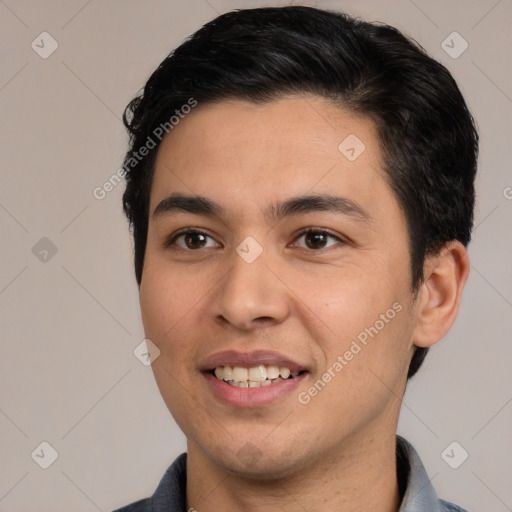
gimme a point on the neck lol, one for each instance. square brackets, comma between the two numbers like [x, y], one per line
[361, 475]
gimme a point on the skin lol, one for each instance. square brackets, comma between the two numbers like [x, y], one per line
[308, 302]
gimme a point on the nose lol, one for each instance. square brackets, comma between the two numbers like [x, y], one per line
[251, 295]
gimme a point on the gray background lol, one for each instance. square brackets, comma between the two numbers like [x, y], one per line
[70, 320]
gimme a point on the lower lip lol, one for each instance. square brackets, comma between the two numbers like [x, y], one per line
[252, 397]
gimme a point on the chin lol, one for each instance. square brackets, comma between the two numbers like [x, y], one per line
[256, 462]
[264, 470]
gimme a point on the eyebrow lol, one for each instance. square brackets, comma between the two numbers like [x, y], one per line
[199, 205]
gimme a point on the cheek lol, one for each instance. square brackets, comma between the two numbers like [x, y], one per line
[365, 322]
[166, 301]
[366, 365]
[348, 300]
[164, 304]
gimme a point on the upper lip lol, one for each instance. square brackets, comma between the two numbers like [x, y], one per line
[250, 360]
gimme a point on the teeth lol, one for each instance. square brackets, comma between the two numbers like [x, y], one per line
[257, 374]
[227, 374]
[240, 373]
[254, 377]
[272, 372]
[249, 384]
[284, 372]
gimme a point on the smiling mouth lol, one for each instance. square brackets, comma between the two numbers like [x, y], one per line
[255, 377]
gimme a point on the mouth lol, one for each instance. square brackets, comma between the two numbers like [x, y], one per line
[254, 377]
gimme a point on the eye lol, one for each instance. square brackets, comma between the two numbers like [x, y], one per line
[317, 239]
[190, 239]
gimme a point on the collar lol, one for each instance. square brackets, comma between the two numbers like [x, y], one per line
[416, 490]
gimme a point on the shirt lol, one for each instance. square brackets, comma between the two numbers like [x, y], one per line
[417, 492]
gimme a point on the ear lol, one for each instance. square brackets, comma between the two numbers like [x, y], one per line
[445, 275]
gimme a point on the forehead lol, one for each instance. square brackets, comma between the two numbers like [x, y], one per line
[245, 153]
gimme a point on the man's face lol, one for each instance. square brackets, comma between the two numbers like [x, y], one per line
[334, 305]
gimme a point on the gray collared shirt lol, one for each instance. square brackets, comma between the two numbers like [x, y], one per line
[417, 491]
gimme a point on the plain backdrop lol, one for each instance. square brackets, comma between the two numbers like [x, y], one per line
[69, 310]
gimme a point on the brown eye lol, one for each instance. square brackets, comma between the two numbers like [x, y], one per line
[194, 240]
[191, 240]
[317, 239]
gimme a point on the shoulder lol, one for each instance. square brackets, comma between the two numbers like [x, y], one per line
[446, 506]
[170, 495]
[138, 506]
[418, 495]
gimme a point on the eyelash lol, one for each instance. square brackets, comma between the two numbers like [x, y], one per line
[172, 239]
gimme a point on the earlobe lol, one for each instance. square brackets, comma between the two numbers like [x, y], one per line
[445, 275]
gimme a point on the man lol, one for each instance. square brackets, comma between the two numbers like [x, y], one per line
[300, 188]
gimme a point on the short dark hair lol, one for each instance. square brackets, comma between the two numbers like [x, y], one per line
[428, 137]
